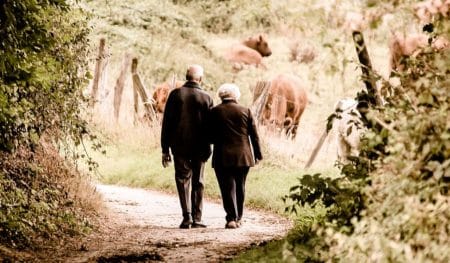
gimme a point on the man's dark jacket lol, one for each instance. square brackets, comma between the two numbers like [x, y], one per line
[234, 136]
[184, 123]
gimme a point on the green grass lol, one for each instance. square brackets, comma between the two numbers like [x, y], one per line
[130, 163]
[298, 246]
[270, 252]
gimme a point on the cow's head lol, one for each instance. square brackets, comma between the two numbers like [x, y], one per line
[161, 93]
[160, 97]
[259, 43]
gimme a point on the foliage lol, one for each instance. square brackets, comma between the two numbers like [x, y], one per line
[339, 195]
[403, 182]
[408, 212]
[35, 201]
[42, 59]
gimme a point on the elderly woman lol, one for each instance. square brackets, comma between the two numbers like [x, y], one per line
[236, 149]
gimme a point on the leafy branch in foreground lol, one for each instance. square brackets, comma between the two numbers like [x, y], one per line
[340, 196]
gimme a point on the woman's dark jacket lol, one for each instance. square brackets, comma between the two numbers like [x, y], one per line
[234, 136]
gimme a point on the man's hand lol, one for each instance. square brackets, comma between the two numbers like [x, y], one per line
[166, 159]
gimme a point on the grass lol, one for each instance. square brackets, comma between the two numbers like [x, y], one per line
[134, 159]
[270, 252]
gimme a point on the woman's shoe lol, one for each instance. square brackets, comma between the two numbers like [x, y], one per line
[186, 224]
[198, 225]
[231, 225]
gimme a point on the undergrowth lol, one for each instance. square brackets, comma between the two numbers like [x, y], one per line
[43, 199]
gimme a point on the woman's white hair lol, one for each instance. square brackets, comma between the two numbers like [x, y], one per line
[228, 91]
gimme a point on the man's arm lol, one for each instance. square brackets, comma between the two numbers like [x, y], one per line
[167, 124]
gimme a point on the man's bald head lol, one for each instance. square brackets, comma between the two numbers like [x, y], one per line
[194, 73]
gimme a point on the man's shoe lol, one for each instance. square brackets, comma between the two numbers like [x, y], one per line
[231, 225]
[186, 224]
[198, 225]
[239, 223]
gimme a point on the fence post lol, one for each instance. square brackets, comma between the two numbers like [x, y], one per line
[316, 149]
[120, 83]
[366, 68]
[140, 89]
[264, 86]
[99, 67]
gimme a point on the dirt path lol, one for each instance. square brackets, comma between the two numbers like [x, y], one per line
[142, 226]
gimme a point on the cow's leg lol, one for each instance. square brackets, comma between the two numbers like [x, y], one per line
[353, 140]
[348, 141]
[279, 114]
[296, 122]
[293, 130]
[287, 125]
[275, 121]
[342, 148]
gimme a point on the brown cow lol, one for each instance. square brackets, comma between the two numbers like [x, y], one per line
[426, 10]
[161, 93]
[249, 52]
[401, 46]
[284, 104]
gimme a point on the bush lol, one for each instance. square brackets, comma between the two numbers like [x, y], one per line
[43, 52]
[42, 198]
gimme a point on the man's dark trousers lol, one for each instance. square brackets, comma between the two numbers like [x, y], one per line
[189, 173]
[232, 187]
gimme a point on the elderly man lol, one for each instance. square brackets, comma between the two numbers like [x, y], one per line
[184, 133]
[236, 148]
